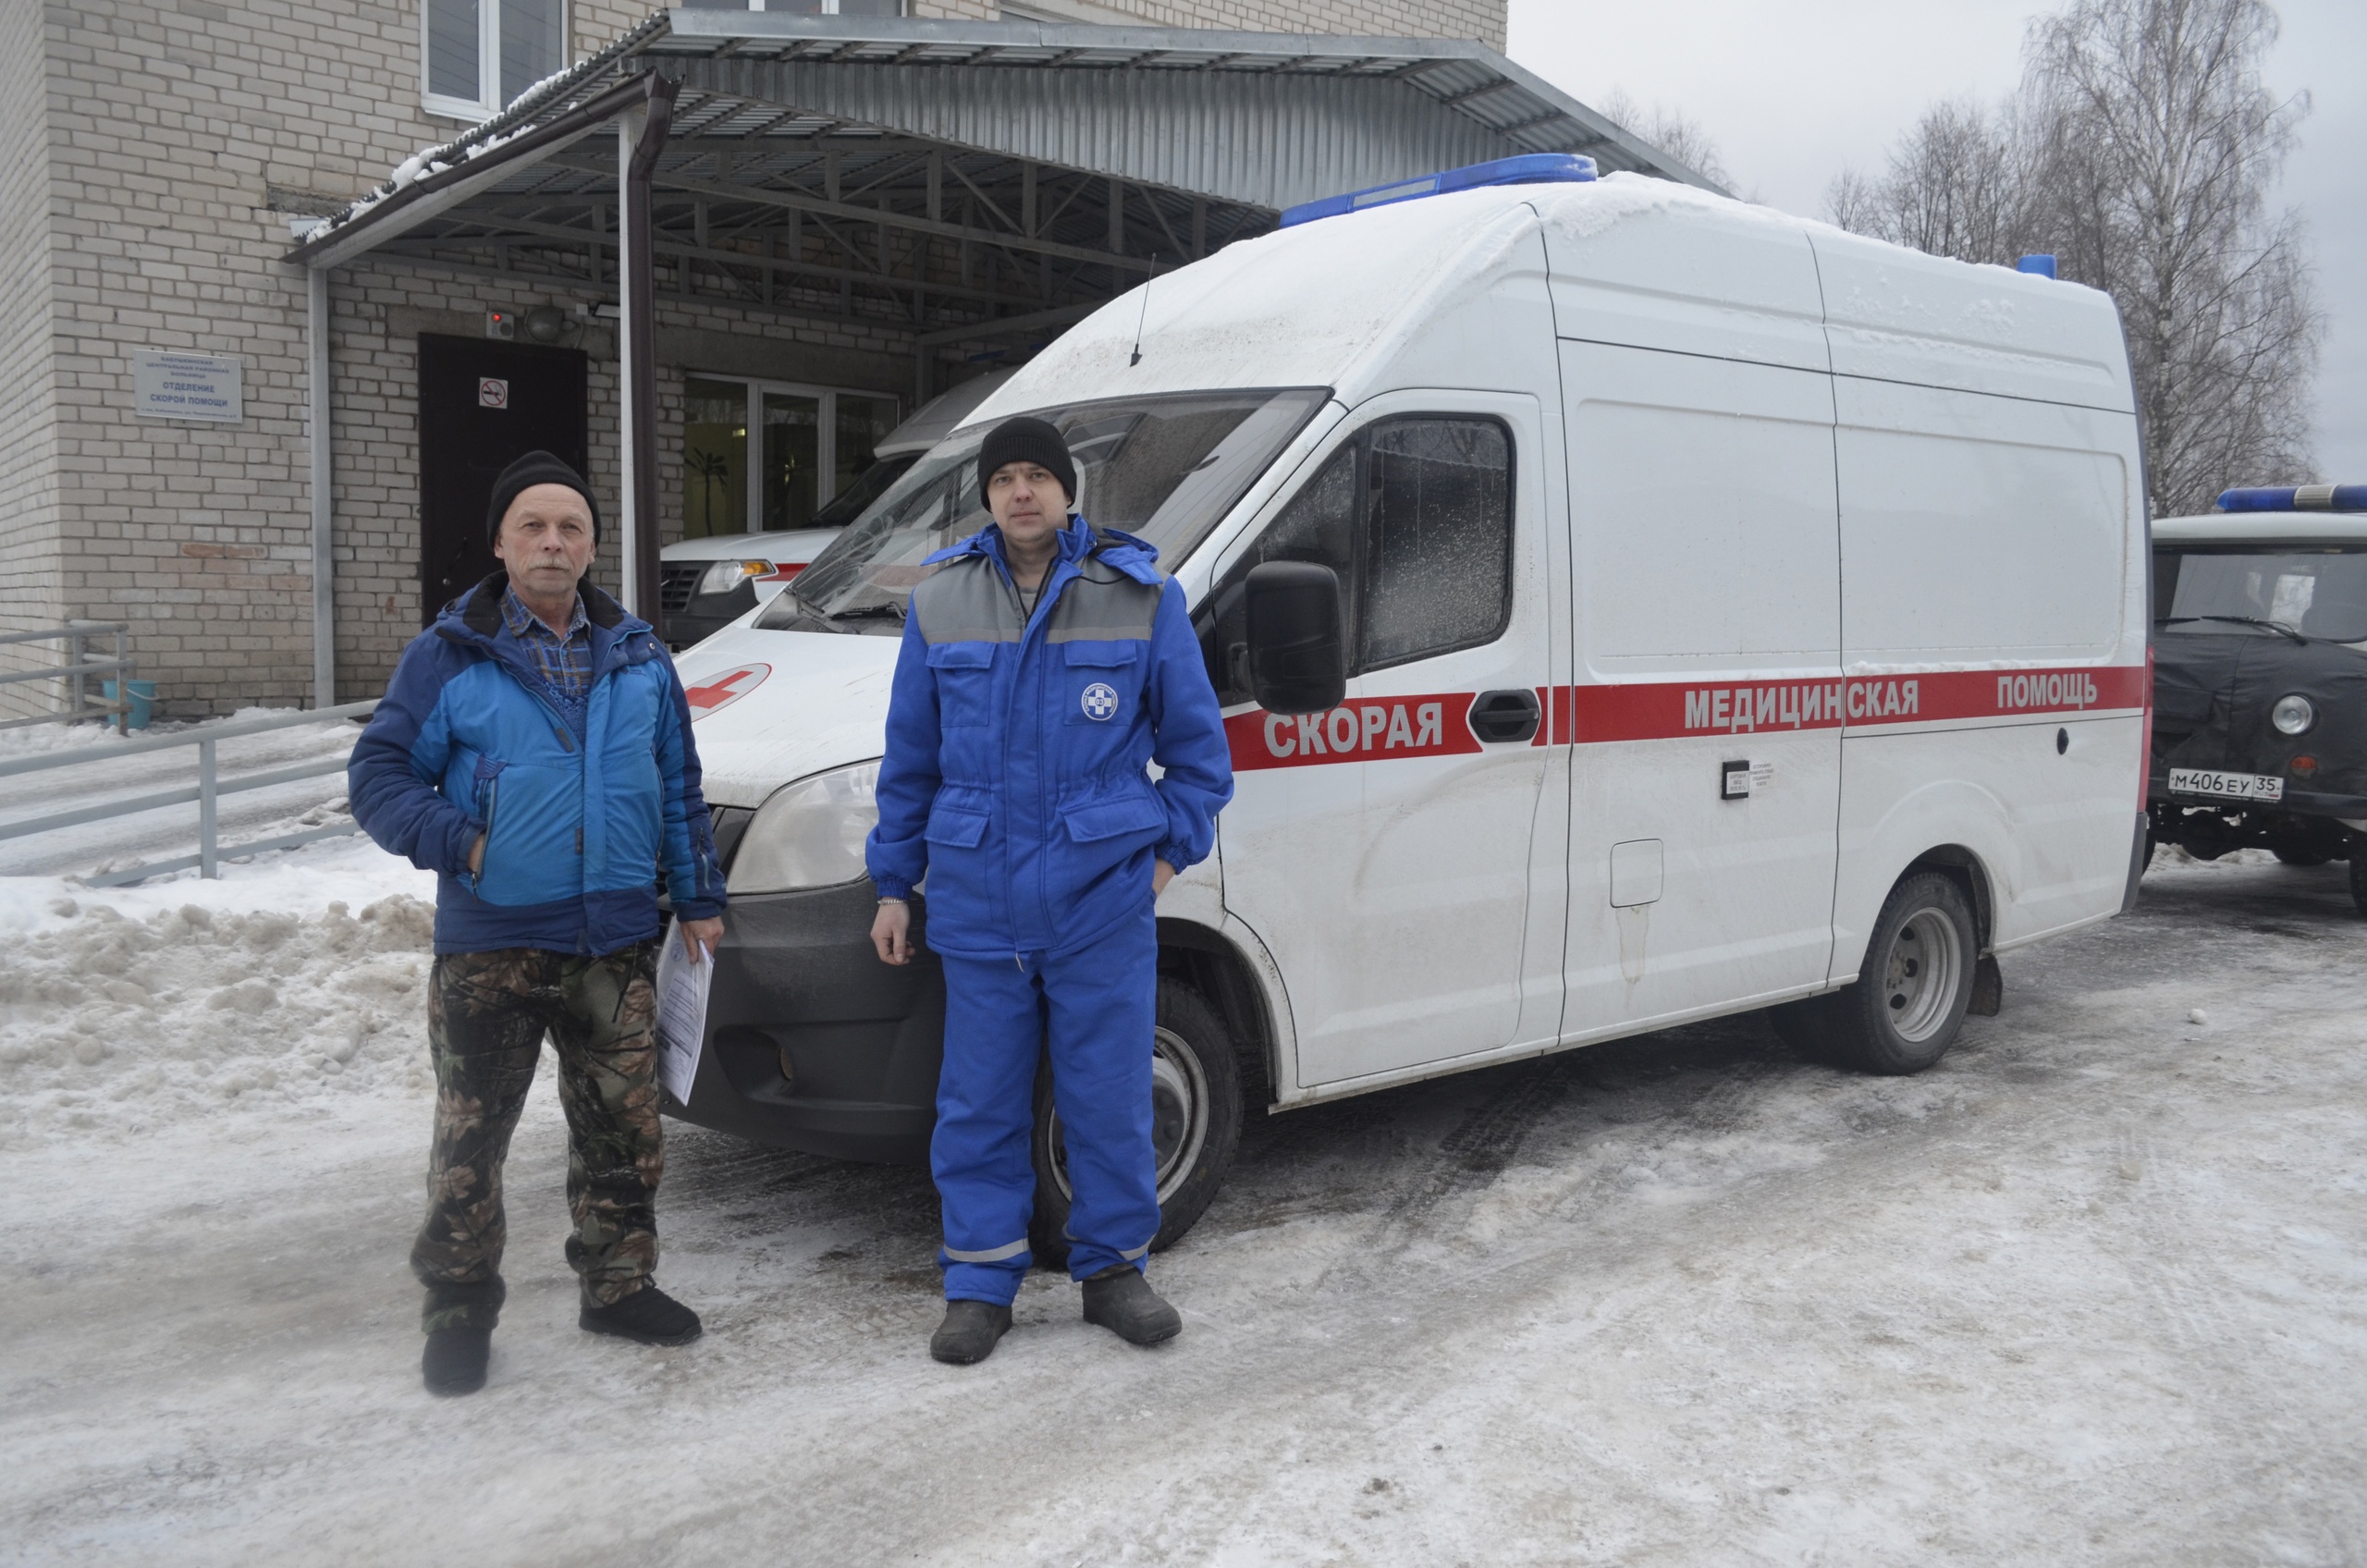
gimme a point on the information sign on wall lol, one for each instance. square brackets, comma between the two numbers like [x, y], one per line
[166, 384]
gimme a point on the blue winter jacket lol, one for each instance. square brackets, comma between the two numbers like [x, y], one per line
[579, 824]
[1015, 776]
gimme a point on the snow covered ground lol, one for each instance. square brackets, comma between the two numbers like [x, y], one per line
[2089, 1292]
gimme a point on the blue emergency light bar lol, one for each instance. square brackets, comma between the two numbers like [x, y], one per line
[1530, 168]
[2038, 264]
[2295, 498]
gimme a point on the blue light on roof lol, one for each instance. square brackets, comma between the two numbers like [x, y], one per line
[1530, 168]
[2295, 498]
[2040, 263]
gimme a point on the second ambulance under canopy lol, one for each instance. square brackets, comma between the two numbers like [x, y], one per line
[1734, 613]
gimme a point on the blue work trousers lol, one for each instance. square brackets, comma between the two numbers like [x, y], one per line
[1096, 1008]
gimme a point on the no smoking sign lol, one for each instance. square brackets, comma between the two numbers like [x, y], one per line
[492, 392]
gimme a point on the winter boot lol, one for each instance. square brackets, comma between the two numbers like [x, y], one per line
[968, 1334]
[1121, 1301]
[454, 1360]
[647, 1316]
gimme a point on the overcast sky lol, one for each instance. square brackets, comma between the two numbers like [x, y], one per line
[1792, 93]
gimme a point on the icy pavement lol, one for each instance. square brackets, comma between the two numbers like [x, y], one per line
[2089, 1292]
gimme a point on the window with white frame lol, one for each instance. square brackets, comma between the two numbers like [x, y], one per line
[475, 55]
[767, 455]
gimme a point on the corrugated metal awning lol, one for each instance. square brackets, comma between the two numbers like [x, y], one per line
[944, 180]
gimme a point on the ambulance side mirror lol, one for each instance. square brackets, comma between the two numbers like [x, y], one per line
[1296, 661]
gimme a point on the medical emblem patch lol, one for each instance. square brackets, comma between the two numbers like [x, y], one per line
[1100, 702]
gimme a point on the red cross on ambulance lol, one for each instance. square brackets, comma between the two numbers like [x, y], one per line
[715, 695]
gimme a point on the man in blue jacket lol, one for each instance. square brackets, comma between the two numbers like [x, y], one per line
[1045, 664]
[534, 752]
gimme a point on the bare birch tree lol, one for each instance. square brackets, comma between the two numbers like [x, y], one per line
[2161, 147]
[2141, 149]
[1674, 133]
[1956, 186]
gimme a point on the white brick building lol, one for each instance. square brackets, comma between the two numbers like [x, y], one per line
[153, 155]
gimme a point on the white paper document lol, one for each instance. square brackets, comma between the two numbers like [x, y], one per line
[681, 1014]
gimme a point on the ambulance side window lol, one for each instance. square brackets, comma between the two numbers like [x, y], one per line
[1415, 515]
[1318, 525]
[1438, 539]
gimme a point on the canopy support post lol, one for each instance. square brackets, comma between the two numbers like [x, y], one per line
[316, 346]
[641, 136]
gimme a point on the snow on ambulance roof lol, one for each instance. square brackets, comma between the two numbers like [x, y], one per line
[1323, 303]
[1296, 308]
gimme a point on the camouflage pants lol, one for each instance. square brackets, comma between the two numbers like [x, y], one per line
[487, 1016]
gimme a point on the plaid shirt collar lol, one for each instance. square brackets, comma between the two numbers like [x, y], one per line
[564, 661]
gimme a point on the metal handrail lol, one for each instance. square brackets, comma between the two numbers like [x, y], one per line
[77, 670]
[208, 789]
[194, 738]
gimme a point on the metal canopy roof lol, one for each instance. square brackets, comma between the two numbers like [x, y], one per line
[949, 180]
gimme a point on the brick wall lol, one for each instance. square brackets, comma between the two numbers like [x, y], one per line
[172, 131]
[30, 567]
[150, 154]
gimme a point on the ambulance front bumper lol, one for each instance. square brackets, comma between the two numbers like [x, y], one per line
[812, 1043]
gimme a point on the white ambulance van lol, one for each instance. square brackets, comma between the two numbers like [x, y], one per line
[1630, 607]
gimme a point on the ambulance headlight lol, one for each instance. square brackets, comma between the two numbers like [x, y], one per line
[2292, 714]
[725, 576]
[809, 834]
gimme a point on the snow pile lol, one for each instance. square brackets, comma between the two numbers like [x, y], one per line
[127, 1009]
[115, 1022]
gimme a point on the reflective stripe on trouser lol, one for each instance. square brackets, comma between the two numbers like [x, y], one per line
[1095, 1009]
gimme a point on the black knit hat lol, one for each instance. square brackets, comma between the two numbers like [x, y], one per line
[1027, 440]
[535, 468]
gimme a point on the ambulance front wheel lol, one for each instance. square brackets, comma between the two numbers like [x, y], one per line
[1904, 1010]
[1196, 1125]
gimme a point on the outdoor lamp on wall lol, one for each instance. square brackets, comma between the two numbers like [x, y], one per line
[545, 323]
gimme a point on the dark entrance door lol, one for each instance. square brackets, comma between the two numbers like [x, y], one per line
[482, 404]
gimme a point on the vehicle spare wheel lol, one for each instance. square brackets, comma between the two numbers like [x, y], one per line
[1194, 1125]
[1909, 1000]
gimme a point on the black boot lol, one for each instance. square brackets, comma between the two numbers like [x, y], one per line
[454, 1360]
[459, 1319]
[647, 1316]
[1121, 1301]
[968, 1334]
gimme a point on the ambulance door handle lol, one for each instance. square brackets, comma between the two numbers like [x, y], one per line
[1505, 715]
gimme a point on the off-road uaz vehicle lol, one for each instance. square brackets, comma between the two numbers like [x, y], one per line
[2259, 677]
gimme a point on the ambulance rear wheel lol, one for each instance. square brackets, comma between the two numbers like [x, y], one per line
[1903, 1012]
[1196, 1125]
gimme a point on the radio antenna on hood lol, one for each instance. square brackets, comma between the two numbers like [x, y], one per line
[1143, 313]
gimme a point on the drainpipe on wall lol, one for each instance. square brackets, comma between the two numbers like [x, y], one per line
[641, 136]
[316, 345]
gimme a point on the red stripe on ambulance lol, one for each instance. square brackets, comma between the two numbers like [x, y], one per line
[1438, 724]
[1656, 711]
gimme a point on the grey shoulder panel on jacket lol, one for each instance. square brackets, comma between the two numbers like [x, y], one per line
[1107, 605]
[964, 601]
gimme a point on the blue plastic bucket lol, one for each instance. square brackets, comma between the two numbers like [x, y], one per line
[144, 700]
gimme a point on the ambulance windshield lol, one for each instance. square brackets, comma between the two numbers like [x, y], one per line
[1166, 469]
[2313, 592]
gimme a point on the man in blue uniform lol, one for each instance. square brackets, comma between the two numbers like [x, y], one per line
[534, 751]
[1045, 665]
